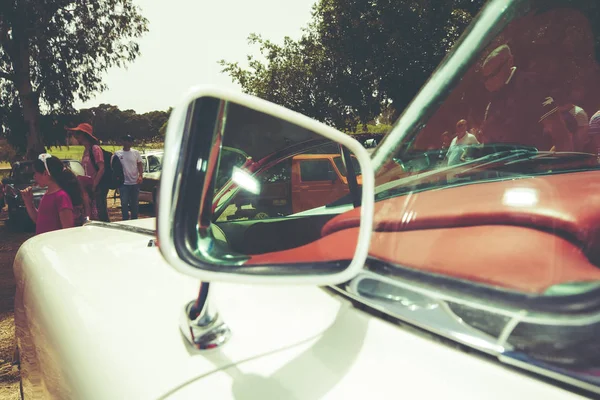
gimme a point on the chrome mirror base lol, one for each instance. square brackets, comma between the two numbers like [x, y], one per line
[202, 325]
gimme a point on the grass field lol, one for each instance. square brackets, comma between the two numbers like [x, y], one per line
[75, 152]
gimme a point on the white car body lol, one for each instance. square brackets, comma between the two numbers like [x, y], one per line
[98, 318]
[102, 313]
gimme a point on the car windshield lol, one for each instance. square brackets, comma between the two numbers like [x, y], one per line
[511, 137]
[487, 190]
[525, 106]
[155, 162]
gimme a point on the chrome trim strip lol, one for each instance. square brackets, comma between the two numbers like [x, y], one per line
[508, 360]
[480, 341]
[408, 308]
[121, 227]
[510, 327]
[537, 318]
[210, 169]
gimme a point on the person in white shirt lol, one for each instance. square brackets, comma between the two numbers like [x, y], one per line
[459, 144]
[131, 161]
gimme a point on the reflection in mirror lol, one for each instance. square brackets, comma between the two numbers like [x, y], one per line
[288, 181]
[274, 186]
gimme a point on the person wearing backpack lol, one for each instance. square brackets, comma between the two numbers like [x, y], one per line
[94, 165]
[132, 169]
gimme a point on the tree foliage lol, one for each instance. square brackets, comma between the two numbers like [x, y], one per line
[54, 51]
[356, 58]
[111, 124]
[296, 75]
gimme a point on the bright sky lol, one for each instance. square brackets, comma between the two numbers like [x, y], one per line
[185, 41]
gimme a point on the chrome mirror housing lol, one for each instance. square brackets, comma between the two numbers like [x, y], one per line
[225, 149]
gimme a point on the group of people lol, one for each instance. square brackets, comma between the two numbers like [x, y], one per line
[70, 200]
[520, 112]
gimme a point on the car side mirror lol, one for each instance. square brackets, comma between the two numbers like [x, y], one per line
[288, 249]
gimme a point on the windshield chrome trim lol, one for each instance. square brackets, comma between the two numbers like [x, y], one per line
[561, 377]
[466, 336]
[469, 336]
[485, 343]
[455, 292]
[539, 318]
[491, 19]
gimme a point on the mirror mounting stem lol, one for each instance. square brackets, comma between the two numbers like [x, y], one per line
[201, 324]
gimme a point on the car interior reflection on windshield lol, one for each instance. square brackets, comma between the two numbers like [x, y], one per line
[512, 151]
[533, 87]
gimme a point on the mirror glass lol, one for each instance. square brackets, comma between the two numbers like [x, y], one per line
[271, 186]
[297, 180]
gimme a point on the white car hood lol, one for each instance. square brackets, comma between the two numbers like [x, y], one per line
[109, 306]
[103, 311]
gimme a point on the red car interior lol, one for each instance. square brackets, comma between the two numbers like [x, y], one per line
[525, 234]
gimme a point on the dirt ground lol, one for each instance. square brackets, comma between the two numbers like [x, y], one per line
[10, 242]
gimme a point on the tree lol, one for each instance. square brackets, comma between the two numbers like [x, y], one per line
[391, 46]
[356, 58]
[53, 51]
[111, 124]
[295, 75]
[162, 131]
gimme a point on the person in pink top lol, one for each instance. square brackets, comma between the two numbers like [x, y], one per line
[89, 202]
[62, 204]
[84, 134]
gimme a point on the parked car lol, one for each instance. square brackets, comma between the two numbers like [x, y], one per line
[21, 177]
[292, 185]
[152, 161]
[478, 280]
[370, 143]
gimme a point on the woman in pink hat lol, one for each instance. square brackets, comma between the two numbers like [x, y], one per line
[93, 166]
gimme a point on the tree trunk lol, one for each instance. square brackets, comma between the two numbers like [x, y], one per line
[31, 114]
[28, 97]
